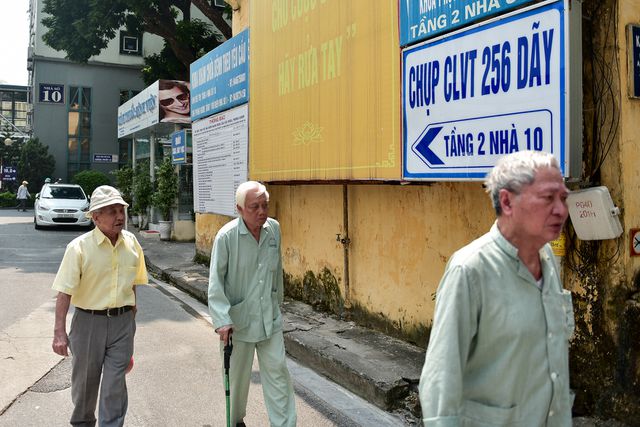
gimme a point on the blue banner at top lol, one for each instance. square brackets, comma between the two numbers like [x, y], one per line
[423, 19]
[220, 79]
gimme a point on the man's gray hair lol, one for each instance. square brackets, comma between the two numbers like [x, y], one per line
[515, 171]
[245, 187]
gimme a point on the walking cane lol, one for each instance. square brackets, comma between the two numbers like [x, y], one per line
[227, 362]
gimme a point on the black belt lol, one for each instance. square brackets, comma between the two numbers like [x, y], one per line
[109, 312]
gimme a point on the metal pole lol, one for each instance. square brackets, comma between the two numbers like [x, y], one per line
[345, 244]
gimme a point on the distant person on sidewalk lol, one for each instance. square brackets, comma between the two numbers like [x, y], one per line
[245, 293]
[22, 196]
[98, 275]
[498, 352]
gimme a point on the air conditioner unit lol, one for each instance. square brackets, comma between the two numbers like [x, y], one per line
[130, 44]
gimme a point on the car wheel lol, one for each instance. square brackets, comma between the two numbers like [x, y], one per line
[35, 224]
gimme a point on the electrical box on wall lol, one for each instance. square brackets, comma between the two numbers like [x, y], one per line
[593, 214]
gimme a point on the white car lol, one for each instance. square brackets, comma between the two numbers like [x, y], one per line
[61, 204]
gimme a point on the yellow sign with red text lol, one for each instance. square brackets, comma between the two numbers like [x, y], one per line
[324, 85]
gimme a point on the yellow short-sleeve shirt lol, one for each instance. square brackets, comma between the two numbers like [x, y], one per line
[99, 275]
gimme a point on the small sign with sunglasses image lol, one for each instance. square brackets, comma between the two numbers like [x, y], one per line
[173, 97]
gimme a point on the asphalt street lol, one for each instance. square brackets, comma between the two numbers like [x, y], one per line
[177, 378]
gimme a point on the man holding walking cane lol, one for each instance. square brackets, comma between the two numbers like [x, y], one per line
[245, 293]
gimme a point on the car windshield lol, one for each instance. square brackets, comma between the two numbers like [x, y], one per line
[74, 193]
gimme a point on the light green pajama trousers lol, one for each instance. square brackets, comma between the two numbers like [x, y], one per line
[274, 376]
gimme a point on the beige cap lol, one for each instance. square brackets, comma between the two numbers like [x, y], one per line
[25, 183]
[105, 195]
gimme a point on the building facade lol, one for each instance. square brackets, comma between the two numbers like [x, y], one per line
[14, 111]
[75, 105]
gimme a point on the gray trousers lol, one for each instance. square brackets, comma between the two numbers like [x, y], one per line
[277, 387]
[100, 346]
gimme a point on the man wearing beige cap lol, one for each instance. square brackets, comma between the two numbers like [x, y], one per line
[98, 275]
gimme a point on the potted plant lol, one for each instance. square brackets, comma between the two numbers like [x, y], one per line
[142, 191]
[164, 198]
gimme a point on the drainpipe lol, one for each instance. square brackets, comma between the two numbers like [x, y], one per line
[345, 244]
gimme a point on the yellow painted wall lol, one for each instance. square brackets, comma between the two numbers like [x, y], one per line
[207, 226]
[401, 238]
[626, 165]
[401, 235]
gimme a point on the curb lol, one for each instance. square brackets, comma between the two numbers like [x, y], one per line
[382, 370]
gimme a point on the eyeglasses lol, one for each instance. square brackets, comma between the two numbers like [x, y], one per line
[168, 101]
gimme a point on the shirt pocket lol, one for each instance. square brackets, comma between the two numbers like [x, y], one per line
[567, 306]
[239, 315]
[476, 414]
[273, 258]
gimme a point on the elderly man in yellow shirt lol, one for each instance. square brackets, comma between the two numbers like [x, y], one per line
[98, 275]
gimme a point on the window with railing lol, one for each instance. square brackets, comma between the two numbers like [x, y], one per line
[79, 130]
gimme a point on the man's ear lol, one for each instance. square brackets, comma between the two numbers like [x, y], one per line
[506, 201]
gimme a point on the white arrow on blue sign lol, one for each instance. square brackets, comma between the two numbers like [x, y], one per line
[479, 142]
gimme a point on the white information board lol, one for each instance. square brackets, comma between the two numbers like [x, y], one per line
[220, 160]
[472, 97]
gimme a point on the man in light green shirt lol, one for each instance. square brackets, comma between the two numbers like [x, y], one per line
[245, 293]
[498, 351]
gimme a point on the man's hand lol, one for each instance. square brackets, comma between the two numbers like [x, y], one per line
[60, 337]
[60, 343]
[225, 332]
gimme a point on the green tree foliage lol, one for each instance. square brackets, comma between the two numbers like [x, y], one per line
[124, 182]
[166, 65]
[34, 164]
[89, 180]
[166, 192]
[8, 200]
[83, 28]
[142, 188]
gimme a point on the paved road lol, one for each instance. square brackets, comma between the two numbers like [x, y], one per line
[177, 379]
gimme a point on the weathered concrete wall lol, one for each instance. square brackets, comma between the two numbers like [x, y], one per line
[401, 238]
[606, 349]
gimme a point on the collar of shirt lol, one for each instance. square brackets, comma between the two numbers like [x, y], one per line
[100, 237]
[512, 252]
[242, 229]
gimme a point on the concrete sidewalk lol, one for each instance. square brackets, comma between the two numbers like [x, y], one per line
[380, 369]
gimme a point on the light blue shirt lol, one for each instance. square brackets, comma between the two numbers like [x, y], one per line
[498, 352]
[23, 192]
[245, 281]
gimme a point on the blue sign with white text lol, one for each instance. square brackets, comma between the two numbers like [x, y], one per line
[9, 173]
[473, 97]
[179, 147]
[423, 19]
[104, 158]
[220, 79]
[635, 44]
[51, 93]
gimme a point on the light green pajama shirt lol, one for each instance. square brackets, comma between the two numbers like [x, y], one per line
[245, 281]
[498, 351]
